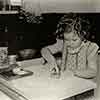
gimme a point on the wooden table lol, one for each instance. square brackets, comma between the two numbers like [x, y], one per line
[40, 86]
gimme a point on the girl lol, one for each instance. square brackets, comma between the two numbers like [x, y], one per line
[78, 54]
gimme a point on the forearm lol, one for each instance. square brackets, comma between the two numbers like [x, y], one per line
[90, 71]
[64, 57]
[48, 56]
[93, 62]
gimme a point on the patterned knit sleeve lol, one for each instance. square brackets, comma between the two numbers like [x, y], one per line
[92, 55]
[57, 47]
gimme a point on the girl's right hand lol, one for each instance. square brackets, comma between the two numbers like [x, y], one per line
[62, 68]
[55, 72]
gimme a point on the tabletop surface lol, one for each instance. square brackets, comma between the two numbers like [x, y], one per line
[41, 86]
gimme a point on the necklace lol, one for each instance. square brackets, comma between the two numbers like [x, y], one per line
[76, 50]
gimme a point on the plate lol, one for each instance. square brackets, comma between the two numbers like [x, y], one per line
[21, 72]
[10, 75]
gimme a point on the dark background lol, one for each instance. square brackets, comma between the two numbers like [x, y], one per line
[19, 34]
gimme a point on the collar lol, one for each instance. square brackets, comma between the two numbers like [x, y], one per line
[76, 50]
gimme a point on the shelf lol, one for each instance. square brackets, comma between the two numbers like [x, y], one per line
[8, 12]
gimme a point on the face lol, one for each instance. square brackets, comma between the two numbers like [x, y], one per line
[72, 40]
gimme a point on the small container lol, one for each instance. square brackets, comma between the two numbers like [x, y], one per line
[3, 54]
[12, 59]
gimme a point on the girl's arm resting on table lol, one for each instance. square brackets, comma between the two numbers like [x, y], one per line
[93, 60]
[64, 57]
[93, 57]
[91, 70]
[48, 56]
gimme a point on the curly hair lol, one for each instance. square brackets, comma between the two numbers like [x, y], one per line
[72, 22]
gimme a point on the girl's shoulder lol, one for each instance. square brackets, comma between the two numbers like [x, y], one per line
[91, 46]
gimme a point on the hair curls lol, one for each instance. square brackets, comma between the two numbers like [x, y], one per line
[75, 23]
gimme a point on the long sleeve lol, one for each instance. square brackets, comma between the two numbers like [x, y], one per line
[57, 47]
[47, 53]
[64, 57]
[48, 56]
[92, 56]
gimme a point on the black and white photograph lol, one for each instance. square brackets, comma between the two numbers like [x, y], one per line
[49, 50]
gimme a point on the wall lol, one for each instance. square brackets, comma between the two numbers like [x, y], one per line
[60, 6]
